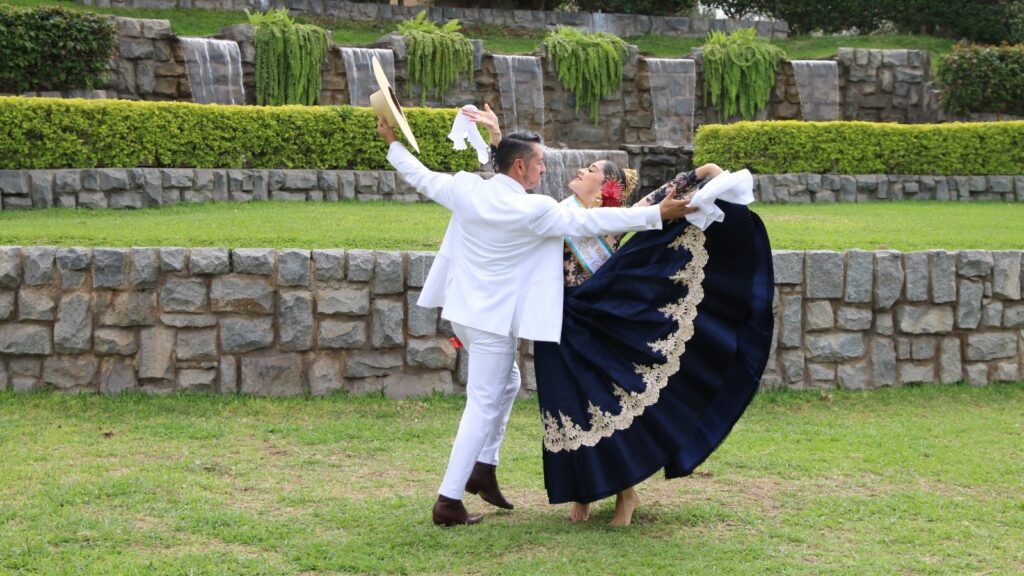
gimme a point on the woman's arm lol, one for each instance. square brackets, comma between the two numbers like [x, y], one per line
[707, 171]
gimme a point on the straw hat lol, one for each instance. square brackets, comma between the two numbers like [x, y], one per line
[385, 105]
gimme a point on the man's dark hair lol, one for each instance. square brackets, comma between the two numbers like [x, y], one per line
[515, 145]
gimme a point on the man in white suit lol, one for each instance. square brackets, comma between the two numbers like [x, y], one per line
[498, 277]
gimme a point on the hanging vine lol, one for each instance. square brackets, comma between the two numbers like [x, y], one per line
[739, 72]
[589, 64]
[436, 56]
[288, 59]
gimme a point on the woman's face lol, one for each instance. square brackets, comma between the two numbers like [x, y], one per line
[587, 184]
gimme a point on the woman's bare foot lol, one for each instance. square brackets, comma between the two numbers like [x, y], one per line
[625, 503]
[579, 512]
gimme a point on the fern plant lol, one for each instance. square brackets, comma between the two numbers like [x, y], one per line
[739, 72]
[288, 59]
[437, 56]
[588, 64]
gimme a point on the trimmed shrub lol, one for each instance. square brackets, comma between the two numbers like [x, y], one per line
[436, 56]
[70, 133]
[864, 147]
[983, 79]
[50, 48]
[589, 64]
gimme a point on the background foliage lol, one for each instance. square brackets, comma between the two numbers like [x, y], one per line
[983, 79]
[436, 56]
[864, 147]
[50, 48]
[289, 57]
[72, 133]
[589, 64]
[739, 72]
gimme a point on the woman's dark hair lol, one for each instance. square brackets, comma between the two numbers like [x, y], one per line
[512, 146]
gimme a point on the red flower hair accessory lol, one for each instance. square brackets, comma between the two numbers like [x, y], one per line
[611, 194]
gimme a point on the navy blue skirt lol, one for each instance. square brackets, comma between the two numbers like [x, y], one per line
[662, 350]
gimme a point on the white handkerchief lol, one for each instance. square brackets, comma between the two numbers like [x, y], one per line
[735, 187]
[463, 128]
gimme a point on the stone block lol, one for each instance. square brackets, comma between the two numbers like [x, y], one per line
[991, 346]
[924, 319]
[1006, 372]
[388, 276]
[156, 353]
[791, 333]
[387, 328]
[950, 361]
[406, 385]
[38, 265]
[114, 341]
[360, 265]
[28, 339]
[227, 377]
[197, 345]
[977, 374]
[117, 376]
[365, 364]
[418, 267]
[127, 309]
[975, 263]
[923, 348]
[10, 267]
[325, 376]
[916, 276]
[859, 276]
[189, 320]
[992, 313]
[792, 363]
[341, 334]
[70, 373]
[293, 267]
[1013, 315]
[788, 266]
[7, 299]
[433, 353]
[851, 318]
[144, 269]
[822, 374]
[422, 321]
[968, 311]
[36, 304]
[173, 259]
[916, 373]
[197, 379]
[943, 276]
[245, 294]
[295, 320]
[835, 347]
[72, 334]
[854, 376]
[183, 295]
[209, 261]
[253, 261]
[1006, 276]
[883, 362]
[888, 278]
[329, 265]
[276, 375]
[239, 335]
[108, 268]
[345, 301]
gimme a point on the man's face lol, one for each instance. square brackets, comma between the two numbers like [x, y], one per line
[532, 168]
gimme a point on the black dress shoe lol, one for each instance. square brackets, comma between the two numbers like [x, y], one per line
[450, 512]
[484, 483]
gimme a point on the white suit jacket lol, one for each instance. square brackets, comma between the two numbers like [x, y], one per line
[499, 268]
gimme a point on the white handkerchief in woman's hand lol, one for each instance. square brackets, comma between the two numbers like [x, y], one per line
[735, 187]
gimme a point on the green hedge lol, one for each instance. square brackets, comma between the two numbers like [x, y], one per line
[50, 48]
[864, 147]
[983, 79]
[71, 133]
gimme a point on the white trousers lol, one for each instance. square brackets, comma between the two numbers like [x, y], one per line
[490, 393]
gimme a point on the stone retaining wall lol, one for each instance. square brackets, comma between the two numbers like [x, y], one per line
[618, 24]
[287, 322]
[150, 187]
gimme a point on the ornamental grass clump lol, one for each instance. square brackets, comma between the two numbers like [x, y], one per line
[288, 59]
[739, 72]
[589, 64]
[437, 55]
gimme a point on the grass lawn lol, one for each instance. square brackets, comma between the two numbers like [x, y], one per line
[924, 480]
[393, 226]
[193, 22]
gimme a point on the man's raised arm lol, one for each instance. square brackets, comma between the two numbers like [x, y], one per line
[434, 185]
